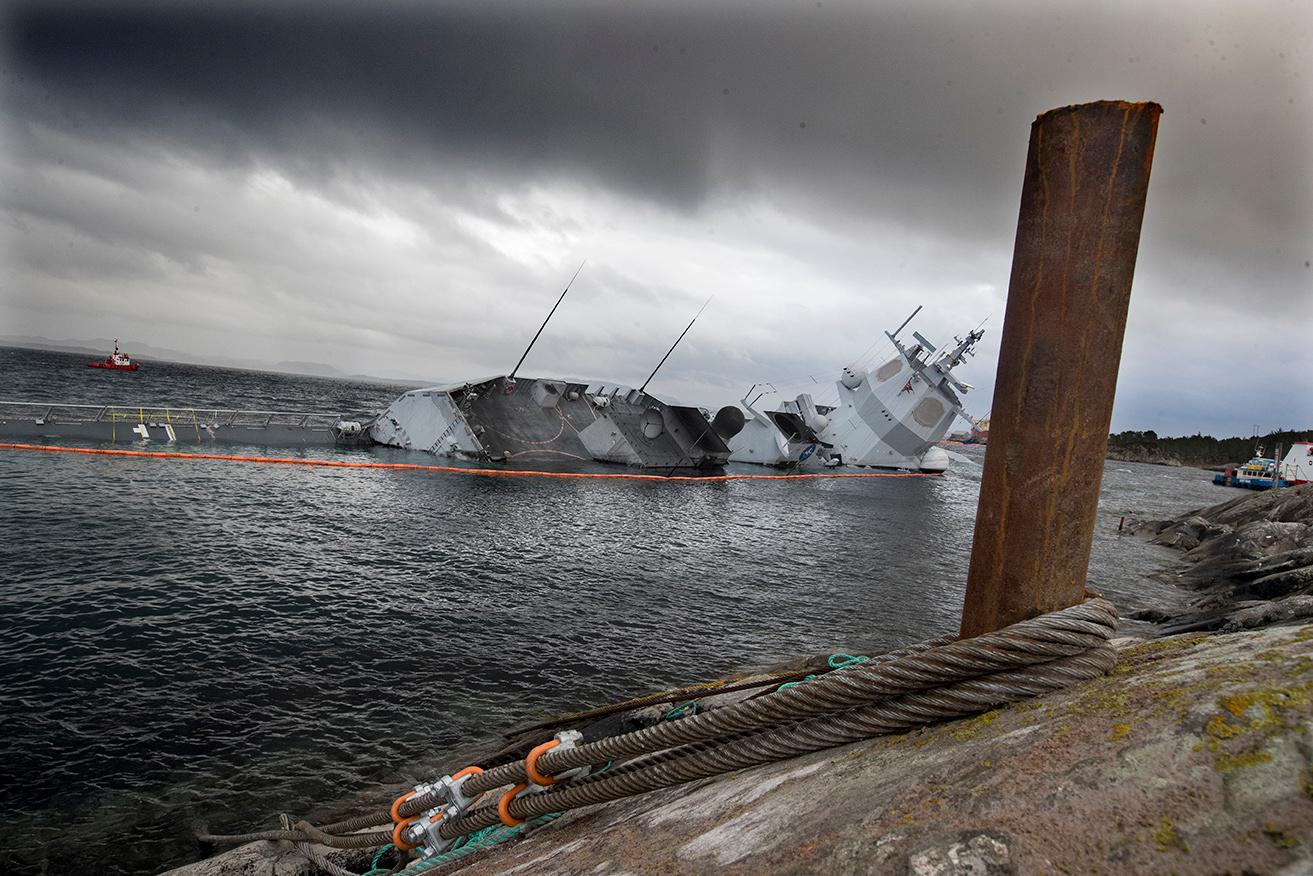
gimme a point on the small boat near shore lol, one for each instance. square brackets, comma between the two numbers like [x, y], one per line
[1265, 472]
[115, 361]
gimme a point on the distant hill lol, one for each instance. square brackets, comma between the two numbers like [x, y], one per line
[314, 369]
[98, 347]
[1197, 450]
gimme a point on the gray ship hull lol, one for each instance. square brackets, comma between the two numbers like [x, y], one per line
[539, 419]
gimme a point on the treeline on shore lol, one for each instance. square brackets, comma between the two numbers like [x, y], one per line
[1199, 450]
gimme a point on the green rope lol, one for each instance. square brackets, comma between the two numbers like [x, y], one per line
[683, 710]
[478, 841]
[789, 684]
[476, 837]
[843, 661]
[836, 661]
[374, 868]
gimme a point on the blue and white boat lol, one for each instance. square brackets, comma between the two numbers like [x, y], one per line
[1263, 473]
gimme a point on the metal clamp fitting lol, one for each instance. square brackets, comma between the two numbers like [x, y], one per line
[566, 740]
[402, 833]
[450, 788]
[452, 802]
[396, 804]
[425, 831]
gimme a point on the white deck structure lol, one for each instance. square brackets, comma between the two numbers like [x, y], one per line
[891, 417]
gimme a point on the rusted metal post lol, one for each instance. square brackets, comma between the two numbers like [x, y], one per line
[1082, 203]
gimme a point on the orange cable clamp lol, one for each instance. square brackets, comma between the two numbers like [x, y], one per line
[504, 806]
[396, 835]
[396, 805]
[531, 763]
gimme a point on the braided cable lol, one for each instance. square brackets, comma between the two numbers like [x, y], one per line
[322, 862]
[963, 698]
[921, 684]
[1063, 633]
[303, 832]
[359, 822]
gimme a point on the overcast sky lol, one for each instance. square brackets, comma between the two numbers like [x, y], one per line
[404, 189]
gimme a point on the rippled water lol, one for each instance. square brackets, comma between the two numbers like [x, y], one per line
[187, 642]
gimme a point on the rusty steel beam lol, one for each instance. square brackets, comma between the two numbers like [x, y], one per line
[1082, 203]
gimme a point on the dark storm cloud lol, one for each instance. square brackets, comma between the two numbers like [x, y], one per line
[886, 141]
[906, 111]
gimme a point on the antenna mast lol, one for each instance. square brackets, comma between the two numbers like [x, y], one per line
[511, 377]
[673, 346]
[906, 321]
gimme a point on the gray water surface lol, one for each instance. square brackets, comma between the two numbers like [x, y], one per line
[186, 642]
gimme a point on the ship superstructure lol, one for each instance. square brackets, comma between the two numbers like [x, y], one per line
[891, 417]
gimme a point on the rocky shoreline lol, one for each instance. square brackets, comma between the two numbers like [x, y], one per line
[1249, 560]
[1155, 458]
[1147, 457]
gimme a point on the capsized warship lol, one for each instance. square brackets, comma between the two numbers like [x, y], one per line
[509, 418]
[892, 417]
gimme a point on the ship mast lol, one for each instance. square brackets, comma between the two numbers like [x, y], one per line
[673, 346]
[906, 321]
[511, 377]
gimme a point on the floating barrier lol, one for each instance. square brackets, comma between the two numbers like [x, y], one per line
[451, 469]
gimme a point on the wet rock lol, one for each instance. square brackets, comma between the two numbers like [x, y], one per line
[1258, 546]
[1150, 615]
[1185, 534]
[254, 859]
[1254, 540]
[1279, 576]
[1292, 504]
[1264, 614]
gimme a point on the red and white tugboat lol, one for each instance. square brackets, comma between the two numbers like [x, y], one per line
[116, 361]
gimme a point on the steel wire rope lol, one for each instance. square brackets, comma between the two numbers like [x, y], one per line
[314, 855]
[957, 700]
[303, 831]
[358, 822]
[1070, 631]
[911, 687]
[704, 688]
[917, 667]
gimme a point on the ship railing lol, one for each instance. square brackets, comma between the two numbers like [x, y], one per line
[52, 412]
